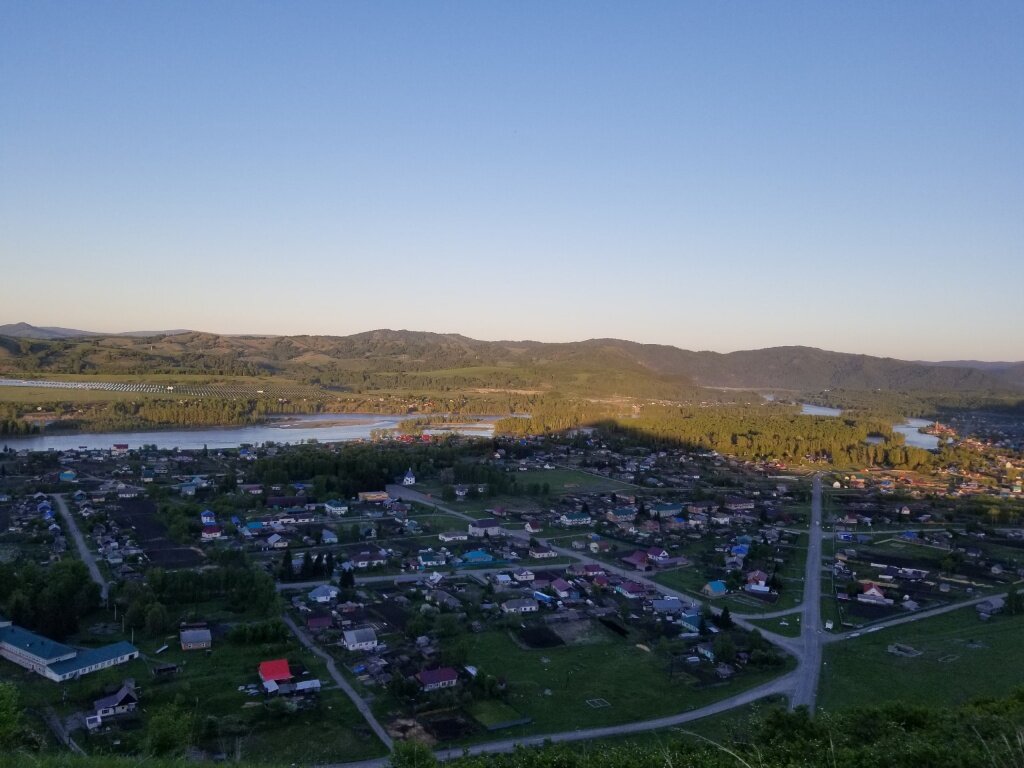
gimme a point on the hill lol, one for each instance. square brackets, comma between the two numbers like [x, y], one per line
[421, 361]
[27, 331]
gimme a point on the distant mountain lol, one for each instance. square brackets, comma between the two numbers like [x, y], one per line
[1011, 374]
[432, 362]
[26, 331]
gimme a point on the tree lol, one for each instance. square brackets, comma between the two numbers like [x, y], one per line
[156, 619]
[725, 648]
[167, 731]
[724, 619]
[11, 729]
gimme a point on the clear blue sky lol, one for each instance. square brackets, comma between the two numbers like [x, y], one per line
[716, 176]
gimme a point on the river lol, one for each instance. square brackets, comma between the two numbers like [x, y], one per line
[909, 428]
[323, 427]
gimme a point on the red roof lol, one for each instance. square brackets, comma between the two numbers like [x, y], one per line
[275, 670]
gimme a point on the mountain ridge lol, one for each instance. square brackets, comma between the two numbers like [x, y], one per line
[405, 358]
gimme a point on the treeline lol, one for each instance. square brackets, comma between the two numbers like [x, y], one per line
[346, 470]
[148, 605]
[12, 420]
[50, 601]
[771, 432]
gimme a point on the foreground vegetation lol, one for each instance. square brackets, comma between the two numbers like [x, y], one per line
[983, 733]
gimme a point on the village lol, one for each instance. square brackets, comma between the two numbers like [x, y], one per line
[537, 585]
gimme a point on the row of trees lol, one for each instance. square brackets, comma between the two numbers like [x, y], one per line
[50, 601]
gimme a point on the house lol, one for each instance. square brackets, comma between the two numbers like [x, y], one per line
[637, 559]
[657, 554]
[621, 515]
[525, 605]
[327, 536]
[873, 593]
[253, 489]
[990, 607]
[738, 504]
[428, 558]
[195, 639]
[325, 593]
[443, 599]
[277, 541]
[631, 589]
[206, 517]
[212, 532]
[360, 639]
[663, 511]
[369, 559]
[477, 557]
[273, 673]
[714, 589]
[486, 527]
[410, 478]
[449, 536]
[523, 575]
[335, 507]
[757, 581]
[574, 519]
[123, 702]
[542, 553]
[373, 497]
[436, 679]
[68, 476]
[669, 606]
[600, 547]
[703, 507]
[562, 588]
[533, 526]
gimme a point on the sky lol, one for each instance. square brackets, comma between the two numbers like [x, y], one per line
[710, 175]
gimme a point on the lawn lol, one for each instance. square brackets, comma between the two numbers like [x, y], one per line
[562, 481]
[622, 682]
[961, 658]
[791, 628]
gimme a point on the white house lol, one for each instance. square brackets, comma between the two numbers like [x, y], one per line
[410, 478]
[325, 593]
[360, 639]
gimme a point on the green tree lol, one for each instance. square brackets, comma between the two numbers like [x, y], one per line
[11, 728]
[156, 619]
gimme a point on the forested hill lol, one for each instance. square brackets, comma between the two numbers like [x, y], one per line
[412, 360]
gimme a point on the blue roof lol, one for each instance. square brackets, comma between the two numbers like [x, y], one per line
[29, 642]
[92, 656]
[740, 549]
[479, 556]
[717, 587]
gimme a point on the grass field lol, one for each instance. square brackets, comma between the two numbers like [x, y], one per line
[961, 658]
[731, 726]
[791, 628]
[553, 685]
[562, 481]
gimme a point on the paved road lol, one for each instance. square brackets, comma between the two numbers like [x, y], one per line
[810, 631]
[332, 669]
[779, 687]
[909, 617]
[83, 548]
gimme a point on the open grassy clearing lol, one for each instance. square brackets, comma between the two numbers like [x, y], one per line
[960, 658]
[789, 625]
[724, 728]
[553, 685]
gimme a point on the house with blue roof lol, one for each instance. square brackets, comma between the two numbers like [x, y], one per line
[477, 557]
[714, 589]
